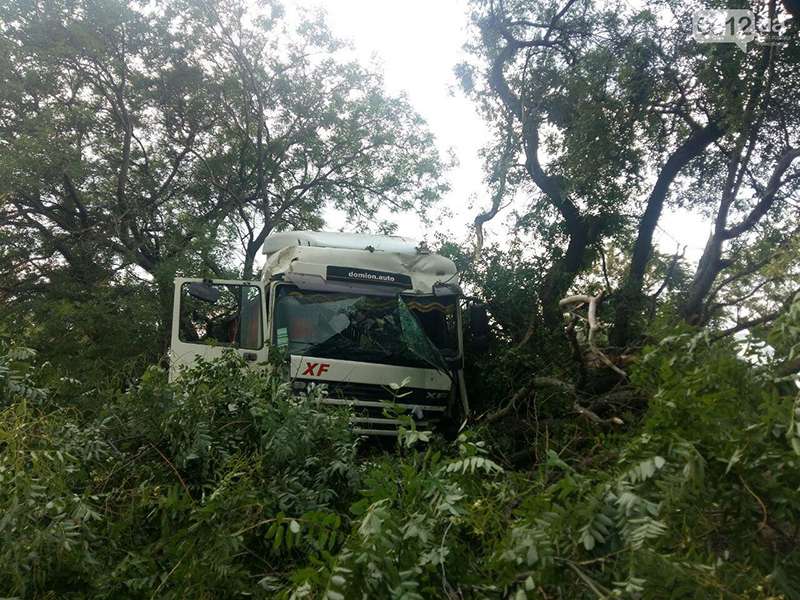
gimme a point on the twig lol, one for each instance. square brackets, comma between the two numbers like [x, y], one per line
[446, 587]
[177, 474]
[160, 585]
[760, 503]
[254, 525]
[679, 253]
[593, 585]
[603, 263]
[762, 320]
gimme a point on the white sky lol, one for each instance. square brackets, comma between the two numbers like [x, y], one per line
[416, 43]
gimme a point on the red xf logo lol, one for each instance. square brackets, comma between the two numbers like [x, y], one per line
[320, 369]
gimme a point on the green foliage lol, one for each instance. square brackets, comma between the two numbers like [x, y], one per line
[414, 525]
[223, 484]
[15, 377]
[86, 334]
[169, 489]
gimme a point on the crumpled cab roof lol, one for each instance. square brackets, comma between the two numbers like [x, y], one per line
[336, 239]
[344, 261]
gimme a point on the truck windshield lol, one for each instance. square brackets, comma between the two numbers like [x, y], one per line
[415, 332]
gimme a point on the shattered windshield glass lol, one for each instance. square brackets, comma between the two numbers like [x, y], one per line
[390, 330]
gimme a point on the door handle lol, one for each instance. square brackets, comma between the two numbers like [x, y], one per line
[250, 356]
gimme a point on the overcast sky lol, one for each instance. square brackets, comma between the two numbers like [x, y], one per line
[416, 43]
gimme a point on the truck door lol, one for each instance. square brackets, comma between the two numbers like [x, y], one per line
[209, 316]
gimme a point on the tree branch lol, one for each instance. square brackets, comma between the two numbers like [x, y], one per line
[767, 197]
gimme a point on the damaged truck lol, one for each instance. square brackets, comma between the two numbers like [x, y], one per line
[360, 314]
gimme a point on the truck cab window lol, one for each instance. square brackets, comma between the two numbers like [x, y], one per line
[225, 315]
[437, 316]
[365, 328]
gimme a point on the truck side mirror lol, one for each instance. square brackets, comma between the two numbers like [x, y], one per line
[203, 291]
[479, 327]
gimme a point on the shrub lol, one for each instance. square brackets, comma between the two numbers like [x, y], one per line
[224, 484]
[171, 489]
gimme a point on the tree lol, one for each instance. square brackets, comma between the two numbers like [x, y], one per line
[151, 140]
[755, 180]
[598, 121]
[569, 85]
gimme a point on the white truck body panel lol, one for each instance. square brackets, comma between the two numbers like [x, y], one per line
[325, 370]
[338, 240]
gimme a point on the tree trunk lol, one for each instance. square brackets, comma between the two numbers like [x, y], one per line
[707, 269]
[559, 278]
[630, 298]
[249, 261]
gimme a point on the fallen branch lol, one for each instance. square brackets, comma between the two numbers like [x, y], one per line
[536, 382]
[550, 382]
[592, 301]
[594, 418]
[622, 395]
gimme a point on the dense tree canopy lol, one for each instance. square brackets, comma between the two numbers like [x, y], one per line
[177, 137]
[601, 124]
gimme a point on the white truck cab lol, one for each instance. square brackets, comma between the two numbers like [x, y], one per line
[355, 312]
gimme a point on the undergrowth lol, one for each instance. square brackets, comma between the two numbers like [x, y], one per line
[224, 485]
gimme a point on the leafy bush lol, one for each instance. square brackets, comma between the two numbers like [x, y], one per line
[225, 485]
[171, 488]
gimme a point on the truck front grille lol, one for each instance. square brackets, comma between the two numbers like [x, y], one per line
[370, 403]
